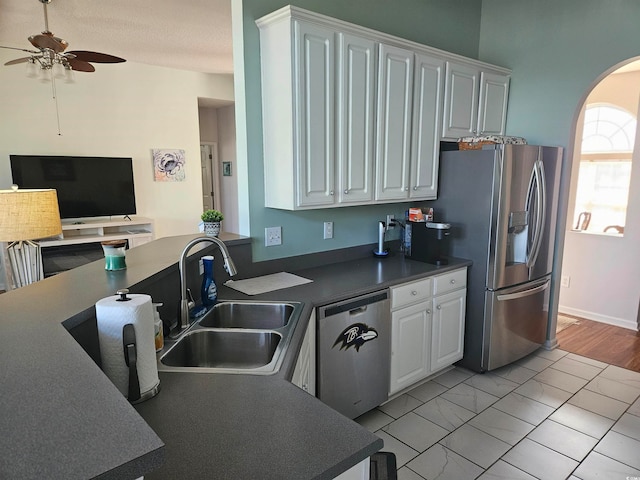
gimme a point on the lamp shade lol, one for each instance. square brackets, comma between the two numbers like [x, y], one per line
[28, 214]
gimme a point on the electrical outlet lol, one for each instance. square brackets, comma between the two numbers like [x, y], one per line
[272, 236]
[328, 230]
[565, 281]
[390, 224]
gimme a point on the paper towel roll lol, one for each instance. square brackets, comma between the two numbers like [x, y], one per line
[112, 315]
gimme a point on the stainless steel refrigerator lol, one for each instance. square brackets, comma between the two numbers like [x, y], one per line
[502, 204]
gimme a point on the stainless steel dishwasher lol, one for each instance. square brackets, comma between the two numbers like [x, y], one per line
[354, 353]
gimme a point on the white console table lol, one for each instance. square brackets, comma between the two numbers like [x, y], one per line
[136, 231]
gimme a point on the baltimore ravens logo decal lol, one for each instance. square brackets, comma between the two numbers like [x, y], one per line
[355, 336]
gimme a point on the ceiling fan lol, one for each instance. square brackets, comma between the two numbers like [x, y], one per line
[51, 52]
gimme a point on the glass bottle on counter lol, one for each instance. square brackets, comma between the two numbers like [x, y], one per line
[209, 291]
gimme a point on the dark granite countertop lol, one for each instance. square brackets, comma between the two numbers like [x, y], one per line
[64, 419]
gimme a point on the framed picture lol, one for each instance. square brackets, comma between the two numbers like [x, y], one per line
[168, 165]
[226, 169]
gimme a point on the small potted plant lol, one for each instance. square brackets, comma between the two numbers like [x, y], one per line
[212, 219]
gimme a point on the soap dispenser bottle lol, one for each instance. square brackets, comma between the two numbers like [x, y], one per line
[209, 292]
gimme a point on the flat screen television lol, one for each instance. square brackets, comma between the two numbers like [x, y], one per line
[86, 186]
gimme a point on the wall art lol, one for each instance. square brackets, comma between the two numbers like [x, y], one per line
[168, 165]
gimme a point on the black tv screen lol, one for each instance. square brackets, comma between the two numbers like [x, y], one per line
[86, 186]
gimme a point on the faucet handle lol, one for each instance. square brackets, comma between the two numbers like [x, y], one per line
[192, 303]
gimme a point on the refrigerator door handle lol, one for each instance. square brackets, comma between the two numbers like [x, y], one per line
[538, 177]
[524, 293]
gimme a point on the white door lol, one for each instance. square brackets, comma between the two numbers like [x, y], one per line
[315, 114]
[410, 343]
[425, 142]
[355, 129]
[492, 110]
[447, 334]
[460, 101]
[395, 97]
[210, 178]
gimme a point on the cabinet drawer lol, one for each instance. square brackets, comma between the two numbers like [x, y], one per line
[410, 293]
[450, 281]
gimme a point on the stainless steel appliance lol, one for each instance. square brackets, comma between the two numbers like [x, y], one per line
[502, 204]
[354, 353]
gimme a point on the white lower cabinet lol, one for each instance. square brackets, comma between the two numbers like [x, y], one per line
[304, 373]
[357, 472]
[427, 331]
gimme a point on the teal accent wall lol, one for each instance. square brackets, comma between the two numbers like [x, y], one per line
[452, 25]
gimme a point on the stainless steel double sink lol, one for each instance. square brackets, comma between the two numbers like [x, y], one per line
[234, 337]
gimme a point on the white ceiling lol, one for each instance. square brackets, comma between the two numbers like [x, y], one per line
[184, 34]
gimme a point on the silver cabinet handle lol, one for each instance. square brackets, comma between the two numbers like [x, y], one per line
[346, 192]
[415, 188]
[305, 387]
[428, 311]
[331, 192]
[406, 189]
[439, 307]
[414, 293]
[452, 281]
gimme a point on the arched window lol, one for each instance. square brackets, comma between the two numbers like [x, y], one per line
[605, 169]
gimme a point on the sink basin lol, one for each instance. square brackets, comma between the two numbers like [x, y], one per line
[223, 349]
[248, 315]
[241, 337]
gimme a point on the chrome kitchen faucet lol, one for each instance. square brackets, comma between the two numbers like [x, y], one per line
[229, 266]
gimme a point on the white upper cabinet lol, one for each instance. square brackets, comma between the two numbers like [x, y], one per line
[355, 131]
[428, 89]
[475, 100]
[352, 116]
[393, 142]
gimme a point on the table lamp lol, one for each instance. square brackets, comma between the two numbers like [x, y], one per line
[26, 215]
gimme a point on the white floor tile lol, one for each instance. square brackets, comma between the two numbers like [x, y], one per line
[451, 378]
[492, 383]
[405, 473]
[543, 393]
[614, 389]
[598, 403]
[634, 409]
[561, 380]
[524, 408]
[600, 467]
[589, 361]
[621, 448]
[574, 367]
[501, 425]
[427, 391]
[402, 451]
[469, 397]
[535, 362]
[445, 413]
[582, 420]
[503, 471]
[443, 464]
[515, 373]
[540, 461]
[475, 445]
[374, 420]
[563, 439]
[555, 354]
[628, 425]
[417, 432]
[400, 405]
[622, 375]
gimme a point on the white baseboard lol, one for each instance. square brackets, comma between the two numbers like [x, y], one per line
[596, 317]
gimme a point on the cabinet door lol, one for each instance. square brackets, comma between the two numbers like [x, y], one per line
[425, 143]
[492, 110]
[355, 129]
[460, 101]
[314, 114]
[395, 94]
[410, 343]
[447, 334]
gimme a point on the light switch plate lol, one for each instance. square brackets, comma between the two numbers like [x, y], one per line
[328, 230]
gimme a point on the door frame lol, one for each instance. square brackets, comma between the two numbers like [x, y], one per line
[214, 164]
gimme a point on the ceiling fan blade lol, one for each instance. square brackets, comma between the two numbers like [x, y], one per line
[95, 57]
[20, 49]
[47, 40]
[18, 60]
[81, 65]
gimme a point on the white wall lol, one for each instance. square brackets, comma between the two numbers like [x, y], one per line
[120, 110]
[605, 270]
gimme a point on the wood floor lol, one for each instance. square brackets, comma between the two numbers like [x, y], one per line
[607, 343]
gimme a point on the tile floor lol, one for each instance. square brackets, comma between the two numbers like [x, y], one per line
[553, 415]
